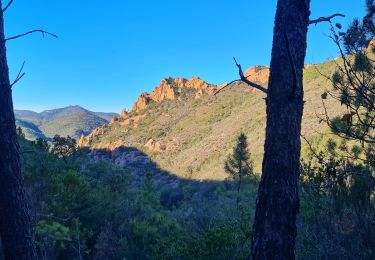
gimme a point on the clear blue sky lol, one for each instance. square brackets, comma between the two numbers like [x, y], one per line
[108, 52]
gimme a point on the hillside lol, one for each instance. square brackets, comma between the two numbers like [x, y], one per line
[189, 131]
[71, 120]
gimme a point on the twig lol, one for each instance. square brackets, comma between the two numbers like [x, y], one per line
[320, 159]
[19, 76]
[30, 32]
[248, 82]
[8, 5]
[227, 85]
[325, 19]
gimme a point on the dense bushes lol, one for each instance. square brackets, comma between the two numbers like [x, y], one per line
[94, 211]
[338, 203]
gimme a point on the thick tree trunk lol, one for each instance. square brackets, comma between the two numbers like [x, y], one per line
[15, 225]
[274, 229]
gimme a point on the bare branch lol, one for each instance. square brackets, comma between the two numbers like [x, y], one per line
[19, 76]
[325, 19]
[227, 85]
[248, 82]
[8, 5]
[30, 32]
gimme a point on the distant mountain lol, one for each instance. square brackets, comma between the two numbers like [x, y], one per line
[72, 120]
[106, 116]
[30, 130]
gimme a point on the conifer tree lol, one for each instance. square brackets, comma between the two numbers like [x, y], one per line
[353, 81]
[239, 164]
[15, 223]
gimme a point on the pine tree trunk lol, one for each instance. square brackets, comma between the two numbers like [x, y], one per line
[15, 224]
[274, 229]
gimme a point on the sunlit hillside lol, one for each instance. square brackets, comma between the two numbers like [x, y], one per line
[191, 136]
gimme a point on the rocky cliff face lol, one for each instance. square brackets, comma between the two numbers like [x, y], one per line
[258, 74]
[142, 101]
[170, 89]
[85, 141]
[124, 113]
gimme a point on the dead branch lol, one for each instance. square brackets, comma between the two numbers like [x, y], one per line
[227, 85]
[8, 5]
[325, 19]
[248, 82]
[30, 32]
[19, 76]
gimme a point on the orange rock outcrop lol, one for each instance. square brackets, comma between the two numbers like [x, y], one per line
[142, 101]
[124, 113]
[170, 88]
[258, 74]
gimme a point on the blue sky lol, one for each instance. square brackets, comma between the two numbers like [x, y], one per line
[108, 52]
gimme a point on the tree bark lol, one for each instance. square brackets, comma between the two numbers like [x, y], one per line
[274, 229]
[15, 223]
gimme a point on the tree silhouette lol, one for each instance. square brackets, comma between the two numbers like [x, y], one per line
[15, 222]
[239, 164]
[274, 228]
[63, 147]
[353, 81]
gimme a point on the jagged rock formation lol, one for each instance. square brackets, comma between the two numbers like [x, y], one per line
[142, 101]
[113, 120]
[124, 113]
[258, 74]
[170, 89]
[85, 141]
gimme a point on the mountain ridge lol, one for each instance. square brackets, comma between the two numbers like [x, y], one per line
[169, 88]
[197, 129]
[71, 120]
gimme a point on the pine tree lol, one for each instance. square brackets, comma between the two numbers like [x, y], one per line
[353, 81]
[239, 164]
[274, 228]
[15, 223]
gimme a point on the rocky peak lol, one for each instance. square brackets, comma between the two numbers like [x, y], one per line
[113, 120]
[142, 101]
[169, 89]
[198, 84]
[85, 141]
[124, 113]
[258, 74]
[166, 90]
